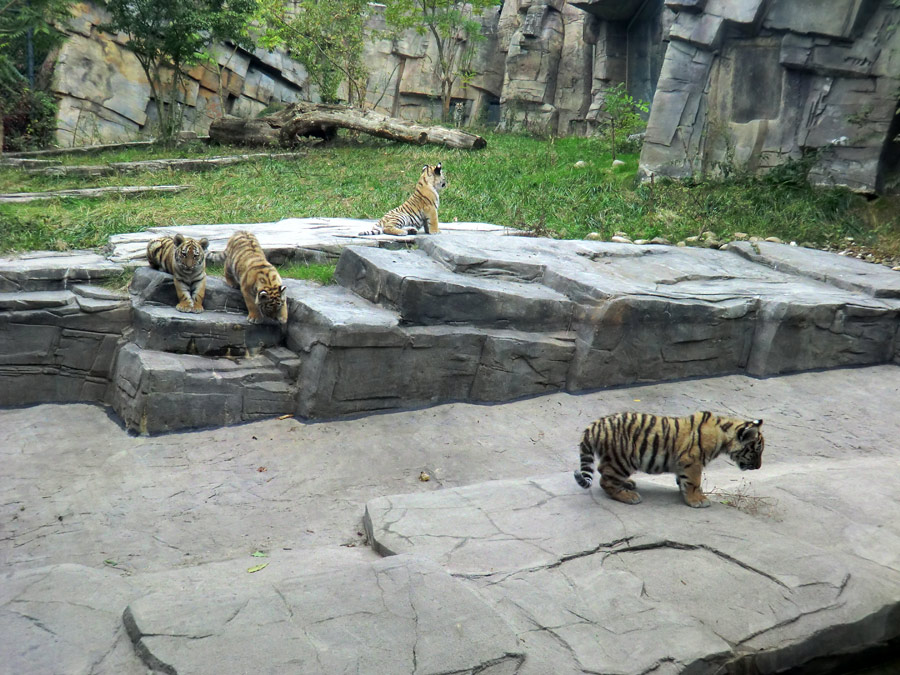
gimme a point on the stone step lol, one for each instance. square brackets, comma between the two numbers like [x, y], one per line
[678, 581]
[359, 357]
[152, 286]
[155, 392]
[425, 292]
[165, 329]
[52, 271]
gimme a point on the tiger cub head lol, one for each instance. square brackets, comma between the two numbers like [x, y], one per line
[270, 298]
[746, 445]
[434, 177]
[190, 254]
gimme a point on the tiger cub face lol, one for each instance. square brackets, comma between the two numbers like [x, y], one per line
[190, 254]
[434, 177]
[270, 298]
[746, 447]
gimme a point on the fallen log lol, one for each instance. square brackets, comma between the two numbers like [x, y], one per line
[321, 120]
[21, 197]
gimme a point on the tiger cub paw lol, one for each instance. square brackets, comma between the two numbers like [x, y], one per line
[698, 504]
[411, 230]
[186, 307]
[254, 319]
[630, 485]
[627, 497]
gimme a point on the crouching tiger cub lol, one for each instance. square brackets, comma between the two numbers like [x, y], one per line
[185, 259]
[420, 210]
[627, 442]
[246, 268]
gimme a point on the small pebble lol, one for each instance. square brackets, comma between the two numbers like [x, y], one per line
[740, 236]
[896, 269]
[617, 163]
[660, 240]
[593, 236]
[621, 240]
[692, 239]
[681, 244]
[774, 240]
[754, 239]
[640, 242]
[580, 164]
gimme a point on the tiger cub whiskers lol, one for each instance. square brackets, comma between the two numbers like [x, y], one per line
[420, 210]
[623, 443]
[246, 268]
[185, 259]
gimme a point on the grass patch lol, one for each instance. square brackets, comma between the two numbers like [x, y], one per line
[517, 181]
[321, 273]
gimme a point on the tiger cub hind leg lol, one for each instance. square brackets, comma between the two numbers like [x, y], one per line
[621, 490]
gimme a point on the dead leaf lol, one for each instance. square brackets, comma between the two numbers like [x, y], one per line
[285, 417]
[262, 468]
[424, 477]
[257, 568]
[258, 554]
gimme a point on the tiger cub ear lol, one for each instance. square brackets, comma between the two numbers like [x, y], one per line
[437, 168]
[262, 294]
[749, 430]
[179, 239]
[204, 243]
[283, 290]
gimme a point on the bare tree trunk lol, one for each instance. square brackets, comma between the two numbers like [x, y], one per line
[322, 120]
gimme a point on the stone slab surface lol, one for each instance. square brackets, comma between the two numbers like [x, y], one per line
[171, 505]
[46, 270]
[401, 615]
[426, 293]
[292, 239]
[843, 272]
[726, 583]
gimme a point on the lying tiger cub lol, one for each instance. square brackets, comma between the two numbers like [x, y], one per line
[627, 442]
[185, 259]
[246, 268]
[420, 210]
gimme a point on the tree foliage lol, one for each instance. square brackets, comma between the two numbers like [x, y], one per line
[27, 115]
[326, 36]
[622, 113]
[168, 36]
[454, 28]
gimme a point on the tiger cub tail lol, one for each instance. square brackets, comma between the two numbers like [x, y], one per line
[584, 475]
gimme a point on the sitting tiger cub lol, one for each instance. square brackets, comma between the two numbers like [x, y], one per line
[627, 442]
[246, 268]
[185, 259]
[420, 210]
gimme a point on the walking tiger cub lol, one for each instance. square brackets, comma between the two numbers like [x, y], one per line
[185, 259]
[627, 442]
[420, 210]
[246, 268]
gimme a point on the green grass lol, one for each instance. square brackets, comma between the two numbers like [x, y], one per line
[517, 181]
[321, 273]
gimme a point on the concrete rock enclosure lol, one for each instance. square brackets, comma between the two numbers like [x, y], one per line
[730, 83]
[465, 316]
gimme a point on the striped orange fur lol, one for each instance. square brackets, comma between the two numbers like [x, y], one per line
[246, 268]
[627, 442]
[420, 210]
[185, 259]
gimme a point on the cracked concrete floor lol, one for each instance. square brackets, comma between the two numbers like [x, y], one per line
[78, 489]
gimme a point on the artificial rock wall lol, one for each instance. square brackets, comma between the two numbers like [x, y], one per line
[732, 83]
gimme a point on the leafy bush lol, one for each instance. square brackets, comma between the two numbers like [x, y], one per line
[29, 121]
